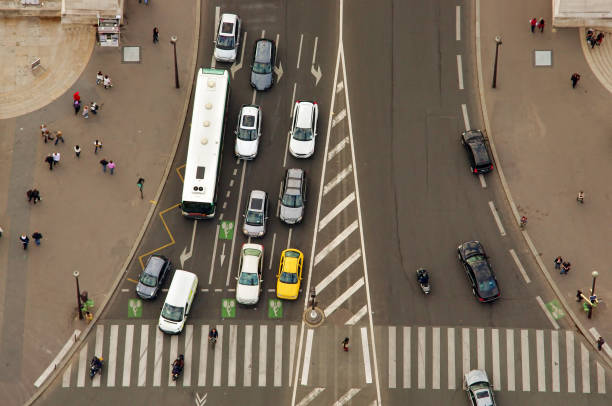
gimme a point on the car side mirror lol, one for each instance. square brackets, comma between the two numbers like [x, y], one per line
[236, 277]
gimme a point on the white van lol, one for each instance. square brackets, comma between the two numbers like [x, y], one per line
[178, 302]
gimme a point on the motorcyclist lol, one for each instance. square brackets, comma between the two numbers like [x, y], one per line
[178, 364]
[213, 334]
[96, 362]
[423, 277]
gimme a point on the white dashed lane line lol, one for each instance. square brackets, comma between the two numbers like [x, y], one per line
[520, 266]
[466, 120]
[497, 219]
[460, 72]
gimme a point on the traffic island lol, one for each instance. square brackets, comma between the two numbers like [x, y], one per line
[314, 316]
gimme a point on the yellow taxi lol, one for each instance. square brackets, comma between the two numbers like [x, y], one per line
[289, 274]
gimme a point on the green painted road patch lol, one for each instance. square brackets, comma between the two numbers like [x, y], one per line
[555, 309]
[228, 308]
[275, 309]
[134, 308]
[226, 231]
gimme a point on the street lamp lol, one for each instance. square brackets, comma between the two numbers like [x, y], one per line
[498, 42]
[592, 298]
[76, 277]
[176, 79]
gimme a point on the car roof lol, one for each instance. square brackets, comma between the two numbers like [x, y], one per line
[294, 181]
[229, 18]
[479, 150]
[304, 114]
[250, 264]
[471, 248]
[257, 200]
[476, 376]
[263, 50]
[155, 264]
[249, 109]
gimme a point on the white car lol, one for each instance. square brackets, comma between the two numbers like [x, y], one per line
[249, 274]
[479, 389]
[303, 129]
[228, 38]
[248, 131]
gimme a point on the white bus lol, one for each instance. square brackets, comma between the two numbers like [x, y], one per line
[205, 144]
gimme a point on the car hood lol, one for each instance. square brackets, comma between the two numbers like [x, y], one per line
[246, 148]
[252, 230]
[287, 290]
[144, 291]
[226, 54]
[475, 376]
[170, 327]
[261, 81]
[485, 400]
[247, 294]
[291, 214]
[301, 147]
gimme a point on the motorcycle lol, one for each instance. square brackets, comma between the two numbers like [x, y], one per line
[95, 366]
[423, 280]
[177, 367]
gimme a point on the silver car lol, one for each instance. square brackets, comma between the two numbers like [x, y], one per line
[293, 196]
[256, 214]
[248, 131]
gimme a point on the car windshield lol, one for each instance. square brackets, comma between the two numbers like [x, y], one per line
[292, 201]
[287, 277]
[254, 218]
[487, 285]
[302, 134]
[226, 42]
[247, 134]
[262, 67]
[248, 279]
[148, 280]
[252, 252]
[475, 258]
[172, 313]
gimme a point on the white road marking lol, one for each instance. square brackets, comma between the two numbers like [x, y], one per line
[186, 380]
[231, 260]
[586, 373]
[307, 354]
[98, 352]
[392, 357]
[337, 179]
[144, 349]
[347, 396]
[203, 355]
[466, 120]
[451, 358]
[547, 313]
[421, 357]
[286, 151]
[338, 117]
[292, 100]
[314, 53]
[66, 376]
[280, 191]
[310, 397]
[254, 96]
[435, 358]
[227, 195]
[221, 216]
[458, 23]
[554, 358]
[235, 171]
[541, 361]
[289, 237]
[460, 71]
[248, 354]
[300, 51]
[237, 66]
[272, 251]
[278, 355]
[483, 182]
[125, 290]
[510, 359]
[82, 364]
[339, 147]
[525, 360]
[596, 336]
[224, 205]
[292, 340]
[335, 242]
[231, 183]
[366, 355]
[343, 297]
[480, 348]
[218, 351]
[406, 358]
[571, 366]
[127, 354]
[263, 341]
[277, 47]
[601, 379]
[218, 290]
[497, 219]
[232, 347]
[213, 61]
[172, 356]
[495, 359]
[263, 33]
[465, 341]
[214, 255]
[357, 316]
[336, 210]
[338, 271]
[339, 87]
[112, 356]
[520, 266]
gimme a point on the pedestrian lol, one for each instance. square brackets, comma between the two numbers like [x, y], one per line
[345, 343]
[24, 240]
[558, 262]
[77, 151]
[37, 237]
[94, 107]
[59, 137]
[599, 38]
[155, 35]
[575, 78]
[29, 195]
[76, 97]
[540, 24]
[56, 158]
[35, 195]
[589, 35]
[533, 22]
[103, 162]
[88, 316]
[97, 146]
[49, 160]
[579, 296]
[1, 231]
[107, 82]
[99, 77]
[85, 111]
[565, 267]
[77, 107]
[600, 342]
[111, 166]
[140, 184]
[44, 132]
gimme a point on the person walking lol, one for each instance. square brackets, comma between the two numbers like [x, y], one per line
[49, 160]
[107, 82]
[77, 151]
[97, 146]
[540, 24]
[59, 137]
[579, 296]
[44, 132]
[155, 35]
[99, 77]
[589, 35]
[77, 107]
[600, 343]
[37, 237]
[575, 78]
[140, 184]
[56, 158]
[345, 343]
[24, 240]
[533, 22]
[94, 107]
[103, 162]
[599, 38]
[29, 195]
[76, 97]
[558, 262]
[111, 166]
[1, 231]
[86, 111]
[35, 195]
[565, 268]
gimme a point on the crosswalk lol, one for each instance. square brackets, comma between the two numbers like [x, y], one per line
[515, 359]
[141, 355]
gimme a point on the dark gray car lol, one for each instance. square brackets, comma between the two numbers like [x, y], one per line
[293, 197]
[262, 69]
[152, 277]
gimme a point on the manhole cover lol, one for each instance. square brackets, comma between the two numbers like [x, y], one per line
[543, 58]
[131, 54]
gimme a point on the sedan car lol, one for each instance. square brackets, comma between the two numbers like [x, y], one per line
[256, 214]
[262, 76]
[289, 274]
[479, 389]
[303, 129]
[474, 259]
[152, 277]
[476, 147]
[293, 196]
[249, 274]
[228, 38]
[248, 131]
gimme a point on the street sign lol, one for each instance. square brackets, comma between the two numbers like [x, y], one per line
[226, 231]
[134, 308]
[275, 309]
[555, 309]
[228, 308]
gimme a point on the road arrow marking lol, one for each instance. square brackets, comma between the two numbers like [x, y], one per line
[278, 71]
[185, 255]
[315, 72]
[236, 67]
[199, 401]
[223, 254]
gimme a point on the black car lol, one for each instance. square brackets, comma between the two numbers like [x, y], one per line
[478, 154]
[262, 76]
[152, 277]
[474, 259]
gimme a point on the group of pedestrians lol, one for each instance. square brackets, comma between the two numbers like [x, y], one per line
[103, 80]
[563, 266]
[593, 39]
[539, 24]
[93, 107]
[25, 240]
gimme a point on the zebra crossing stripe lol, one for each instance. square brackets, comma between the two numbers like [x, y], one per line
[392, 357]
[451, 358]
[66, 376]
[233, 344]
[495, 358]
[571, 368]
[586, 377]
[111, 370]
[480, 348]
[435, 350]
[347, 396]
[292, 347]
[407, 357]
[541, 361]
[465, 340]
[218, 357]
[159, 346]
[144, 347]
[525, 360]
[366, 355]
[98, 352]
[263, 338]
[173, 353]
[278, 355]
[82, 363]
[554, 358]
[601, 379]
[188, 355]
[307, 354]
[127, 354]
[203, 355]
[248, 355]
[510, 359]
[421, 358]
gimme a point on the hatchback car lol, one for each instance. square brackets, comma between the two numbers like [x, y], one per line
[303, 129]
[256, 214]
[228, 38]
[480, 392]
[249, 274]
[248, 131]
[289, 274]
[476, 147]
[474, 259]
[293, 196]
[262, 76]
[152, 277]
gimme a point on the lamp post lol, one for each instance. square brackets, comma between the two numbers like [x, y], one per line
[76, 277]
[498, 42]
[176, 79]
[592, 298]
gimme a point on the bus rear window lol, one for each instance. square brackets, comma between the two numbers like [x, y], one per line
[200, 172]
[198, 208]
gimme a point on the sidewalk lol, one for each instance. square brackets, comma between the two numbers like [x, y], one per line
[90, 220]
[553, 141]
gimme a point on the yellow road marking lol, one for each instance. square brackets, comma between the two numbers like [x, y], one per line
[172, 241]
[178, 171]
[132, 280]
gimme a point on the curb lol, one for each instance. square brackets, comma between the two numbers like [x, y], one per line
[534, 252]
[59, 367]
